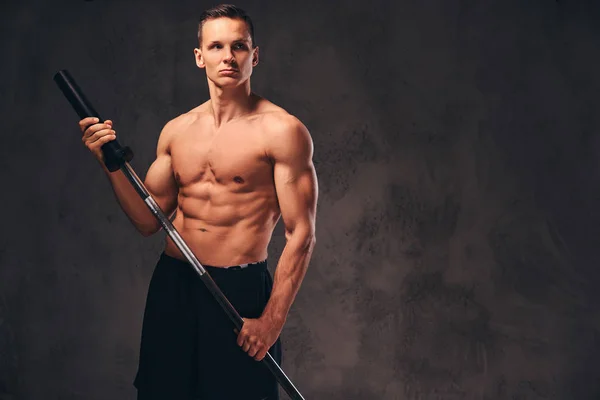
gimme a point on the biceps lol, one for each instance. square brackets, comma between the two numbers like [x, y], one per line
[161, 184]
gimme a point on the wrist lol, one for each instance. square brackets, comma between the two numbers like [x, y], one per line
[272, 318]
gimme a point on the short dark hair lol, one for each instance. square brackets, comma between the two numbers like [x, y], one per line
[226, 11]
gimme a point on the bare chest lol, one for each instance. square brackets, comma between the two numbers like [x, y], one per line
[234, 155]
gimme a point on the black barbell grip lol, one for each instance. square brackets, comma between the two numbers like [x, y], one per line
[115, 155]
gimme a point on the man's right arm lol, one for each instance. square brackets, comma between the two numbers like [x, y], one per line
[159, 181]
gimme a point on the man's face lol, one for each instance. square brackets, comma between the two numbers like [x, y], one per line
[226, 51]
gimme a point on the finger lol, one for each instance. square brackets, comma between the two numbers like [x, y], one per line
[261, 354]
[100, 131]
[241, 338]
[253, 351]
[246, 346]
[237, 331]
[86, 122]
[100, 134]
[104, 139]
[90, 131]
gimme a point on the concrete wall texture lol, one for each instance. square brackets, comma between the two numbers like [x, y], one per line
[457, 147]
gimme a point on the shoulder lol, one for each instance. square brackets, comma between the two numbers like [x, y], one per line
[283, 130]
[286, 136]
[180, 123]
[187, 118]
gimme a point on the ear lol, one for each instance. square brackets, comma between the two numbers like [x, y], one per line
[255, 56]
[199, 59]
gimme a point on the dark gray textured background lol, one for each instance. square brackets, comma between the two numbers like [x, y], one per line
[457, 149]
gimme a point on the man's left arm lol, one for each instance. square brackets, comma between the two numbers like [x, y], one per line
[291, 150]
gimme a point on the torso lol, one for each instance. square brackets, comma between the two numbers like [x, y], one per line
[227, 205]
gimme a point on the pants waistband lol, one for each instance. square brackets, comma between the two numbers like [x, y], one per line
[259, 265]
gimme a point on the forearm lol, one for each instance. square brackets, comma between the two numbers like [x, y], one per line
[289, 275]
[132, 204]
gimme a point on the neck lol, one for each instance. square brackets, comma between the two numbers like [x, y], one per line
[229, 103]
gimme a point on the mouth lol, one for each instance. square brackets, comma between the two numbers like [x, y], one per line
[228, 70]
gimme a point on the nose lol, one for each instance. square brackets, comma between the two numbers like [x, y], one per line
[228, 57]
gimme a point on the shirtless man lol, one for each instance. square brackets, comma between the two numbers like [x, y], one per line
[227, 169]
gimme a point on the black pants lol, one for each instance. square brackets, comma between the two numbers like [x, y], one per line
[188, 347]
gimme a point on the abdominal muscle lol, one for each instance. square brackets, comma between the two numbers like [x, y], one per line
[224, 228]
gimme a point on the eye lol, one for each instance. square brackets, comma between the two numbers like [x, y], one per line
[239, 46]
